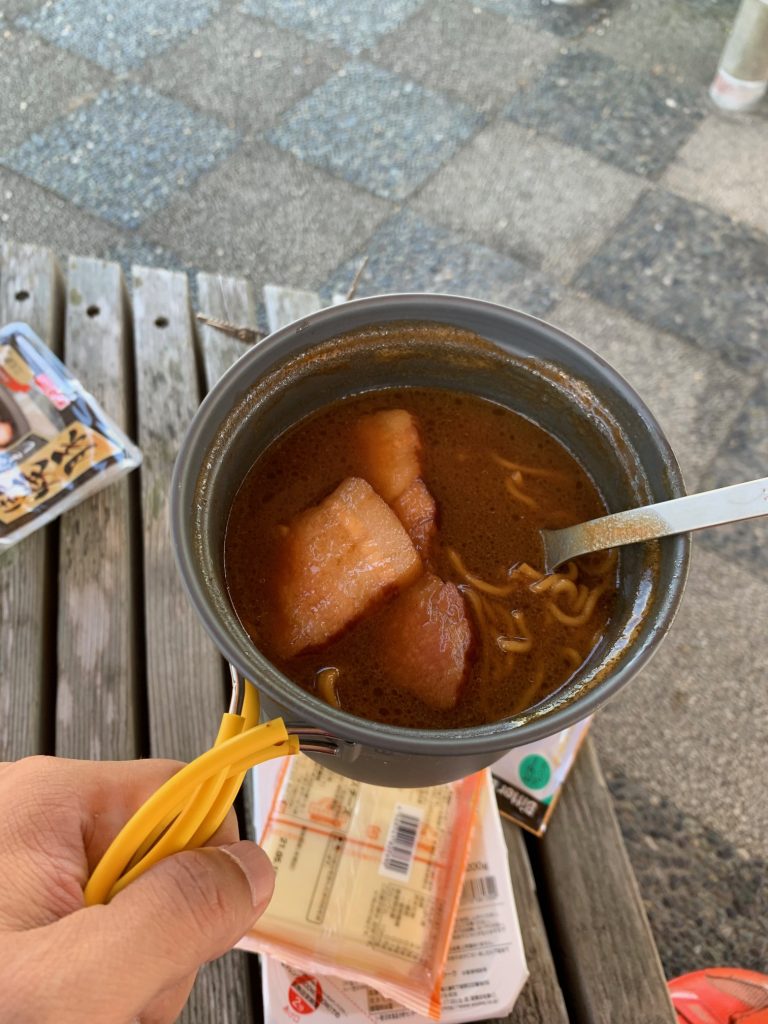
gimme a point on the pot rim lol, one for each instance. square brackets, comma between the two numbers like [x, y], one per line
[490, 737]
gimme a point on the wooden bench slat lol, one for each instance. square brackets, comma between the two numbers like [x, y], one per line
[284, 305]
[30, 291]
[97, 700]
[185, 690]
[222, 993]
[610, 966]
[183, 666]
[541, 999]
[229, 299]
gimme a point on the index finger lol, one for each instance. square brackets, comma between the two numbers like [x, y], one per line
[60, 802]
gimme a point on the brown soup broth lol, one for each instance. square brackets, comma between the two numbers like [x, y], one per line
[477, 518]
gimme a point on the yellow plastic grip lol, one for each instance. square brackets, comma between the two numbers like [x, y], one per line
[188, 809]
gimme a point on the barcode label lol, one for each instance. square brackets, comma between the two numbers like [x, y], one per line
[401, 843]
[479, 890]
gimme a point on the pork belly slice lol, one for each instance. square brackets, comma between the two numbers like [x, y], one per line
[427, 637]
[416, 510]
[335, 560]
[389, 448]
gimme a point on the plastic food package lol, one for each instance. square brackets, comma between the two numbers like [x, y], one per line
[485, 971]
[529, 779]
[368, 879]
[57, 446]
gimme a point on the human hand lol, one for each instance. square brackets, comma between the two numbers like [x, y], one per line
[135, 958]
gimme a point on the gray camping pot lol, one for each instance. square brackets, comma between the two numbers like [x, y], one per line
[464, 345]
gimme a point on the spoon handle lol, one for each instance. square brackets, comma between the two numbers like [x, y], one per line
[693, 512]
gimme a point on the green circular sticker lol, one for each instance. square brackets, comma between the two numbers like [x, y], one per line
[534, 771]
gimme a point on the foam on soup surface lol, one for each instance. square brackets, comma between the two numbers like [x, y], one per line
[384, 554]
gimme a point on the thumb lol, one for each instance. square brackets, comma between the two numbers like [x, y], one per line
[188, 909]
[194, 906]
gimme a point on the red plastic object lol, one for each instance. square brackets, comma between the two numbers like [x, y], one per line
[720, 995]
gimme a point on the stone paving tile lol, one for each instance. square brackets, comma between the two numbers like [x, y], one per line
[266, 215]
[547, 14]
[124, 155]
[684, 269]
[410, 254]
[723, 9]
[664, 37]
[355, 26]
[39, 83]
[32, 214]
[700, 702]
[626, 117]
[251, 70]
[375, 129]
[118, 34]
[695, 396]
[530, 195]
[10, 9]
[742, 456]
[723, 165]
[495, 54]
[130, 249]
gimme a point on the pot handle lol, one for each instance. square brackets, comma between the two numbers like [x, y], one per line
[313, 740]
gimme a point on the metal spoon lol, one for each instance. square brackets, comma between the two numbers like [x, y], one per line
[694, 512]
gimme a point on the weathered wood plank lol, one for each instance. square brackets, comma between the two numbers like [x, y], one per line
[229, 299]
[97, 697]
[609, 964]
[183, 667]
[541, 999]
[284, 305]
[184, 679]
[222, 993]
[30, 291]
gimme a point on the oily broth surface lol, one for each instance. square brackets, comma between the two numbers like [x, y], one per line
[476, 517]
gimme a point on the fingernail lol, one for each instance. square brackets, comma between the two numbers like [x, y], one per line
[258, 870]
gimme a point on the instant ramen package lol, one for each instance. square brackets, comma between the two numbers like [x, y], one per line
[56, 444]
[369, 879]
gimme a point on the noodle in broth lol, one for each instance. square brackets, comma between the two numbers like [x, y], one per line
[496, 479]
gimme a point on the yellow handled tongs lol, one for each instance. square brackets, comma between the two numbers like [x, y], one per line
[189, 808]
